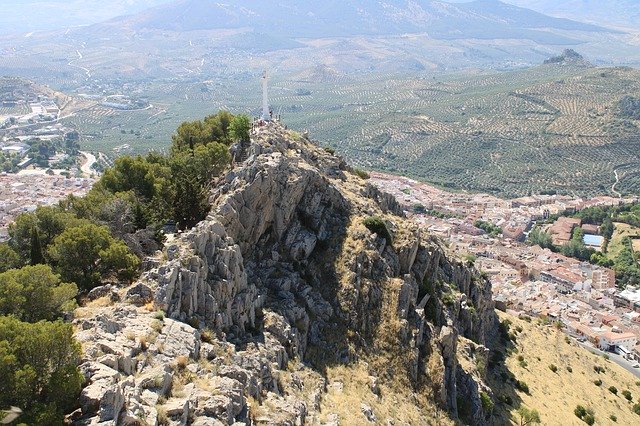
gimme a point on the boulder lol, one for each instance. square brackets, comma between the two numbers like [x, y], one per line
[139, 295]
[368, 412]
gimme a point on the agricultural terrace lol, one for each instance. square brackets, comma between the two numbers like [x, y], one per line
[512, 133]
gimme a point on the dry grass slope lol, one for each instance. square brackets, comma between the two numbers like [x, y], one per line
[556, 395]
[350, 386]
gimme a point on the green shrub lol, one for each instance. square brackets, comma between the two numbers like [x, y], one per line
[613, 390]
[361, 173]
[207, 335]
[636, 408]
[627, 395]
[522, 386]
[505, 399]
[597, 382]
[419, 209]
[528, 416]
[613, 418]
[553, 368]
[569, 369]
[377, 225]
[330, 150]
[159, 315]
[580, 411]
[585, 414]
[39, 370]
[194, 322]
[449, 299]
[487, 403]
[598, 369]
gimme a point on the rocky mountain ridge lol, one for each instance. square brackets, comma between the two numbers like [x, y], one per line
[286, 18]
[241, 319]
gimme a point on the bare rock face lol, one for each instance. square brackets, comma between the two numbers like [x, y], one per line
[282, 279]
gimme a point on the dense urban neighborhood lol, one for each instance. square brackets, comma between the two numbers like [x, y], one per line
[528, 280]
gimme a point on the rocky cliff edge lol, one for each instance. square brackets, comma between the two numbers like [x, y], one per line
[246, 318]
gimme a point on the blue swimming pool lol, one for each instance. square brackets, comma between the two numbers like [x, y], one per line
[593, 240]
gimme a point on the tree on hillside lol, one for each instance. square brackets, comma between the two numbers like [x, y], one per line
[528, 416]
[47, 222]
[240, 128]
[37, 256]
[600, 259]
[190, 134]
[607, 228]
[130, 174]
[35, 293]
[214, 128]
[218, 126]
[626, 266]
[192, 173]
[9, 259]
[88, 254]
[38, 370]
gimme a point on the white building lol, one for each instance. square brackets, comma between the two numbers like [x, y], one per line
[16, 149]
[610, 341]
[628, 298]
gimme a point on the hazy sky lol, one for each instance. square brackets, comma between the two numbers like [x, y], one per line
[29, 15]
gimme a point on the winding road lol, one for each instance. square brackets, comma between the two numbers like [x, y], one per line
[90, 161]
[627, 365]
[71, 64]
[613, 187]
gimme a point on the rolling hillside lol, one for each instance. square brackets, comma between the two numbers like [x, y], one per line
[625, 13]
[480, 19]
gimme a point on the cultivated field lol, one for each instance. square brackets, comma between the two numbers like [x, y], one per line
[510, 133]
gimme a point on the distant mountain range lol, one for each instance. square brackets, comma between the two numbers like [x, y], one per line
[624, 13]
[482, 19]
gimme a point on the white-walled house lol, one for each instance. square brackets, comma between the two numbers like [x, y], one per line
[610, 340]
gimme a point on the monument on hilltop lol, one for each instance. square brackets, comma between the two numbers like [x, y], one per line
[266, 111]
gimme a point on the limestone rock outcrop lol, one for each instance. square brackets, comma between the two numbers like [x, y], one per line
[282, 280]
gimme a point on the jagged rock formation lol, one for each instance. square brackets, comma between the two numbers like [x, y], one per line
[569, 57]
[282, 282]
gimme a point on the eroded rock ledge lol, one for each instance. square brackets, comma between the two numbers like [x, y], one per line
[281, 283]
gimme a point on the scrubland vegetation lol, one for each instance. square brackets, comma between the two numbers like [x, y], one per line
[58, 253]
[561, 380]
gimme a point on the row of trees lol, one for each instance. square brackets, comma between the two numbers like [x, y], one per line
[58, 252]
